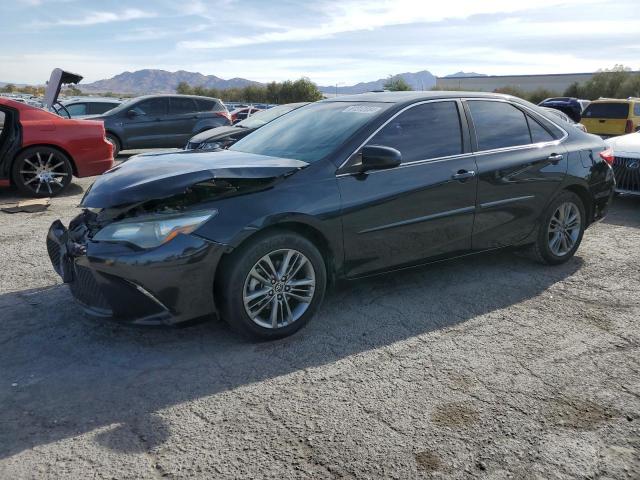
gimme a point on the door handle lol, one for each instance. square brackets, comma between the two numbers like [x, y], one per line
[555, 158]
[462, 175]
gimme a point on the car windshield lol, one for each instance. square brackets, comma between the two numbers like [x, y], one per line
[607, 110]
[312, 132]
[260, 118]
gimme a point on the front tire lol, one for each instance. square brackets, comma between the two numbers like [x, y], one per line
[41, 172]
[271, 287]
[561, 230]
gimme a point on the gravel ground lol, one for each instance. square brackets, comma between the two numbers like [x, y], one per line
[489, 367]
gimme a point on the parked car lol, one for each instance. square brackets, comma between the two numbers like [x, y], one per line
[242, 113]
[564, 117]
[341, 188]
[624, 155]
[224, 137]
[161, 121]
[608, 117]
[40, 152]
[80, 107]
[572, 107]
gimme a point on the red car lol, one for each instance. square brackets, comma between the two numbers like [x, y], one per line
[242, 113]
[40, 151]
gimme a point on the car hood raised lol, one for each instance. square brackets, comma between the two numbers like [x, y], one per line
[154, 176]
[215, 134]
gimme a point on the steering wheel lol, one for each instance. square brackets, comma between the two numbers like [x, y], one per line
[58, 106]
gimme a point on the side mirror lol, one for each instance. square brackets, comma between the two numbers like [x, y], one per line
[379, 157]
[132, 113]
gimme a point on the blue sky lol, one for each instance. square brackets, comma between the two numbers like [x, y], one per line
[330, 42]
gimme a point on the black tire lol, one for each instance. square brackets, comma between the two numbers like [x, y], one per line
[113, 140]
[29, 172]
[235, 275]
[542, 250]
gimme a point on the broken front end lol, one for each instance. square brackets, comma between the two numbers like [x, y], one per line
[165, 276]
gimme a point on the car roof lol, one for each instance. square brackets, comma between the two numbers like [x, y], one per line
[161, 95]
[67, 101]
[407, 97]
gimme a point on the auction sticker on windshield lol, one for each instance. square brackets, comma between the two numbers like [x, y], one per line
[361, 109]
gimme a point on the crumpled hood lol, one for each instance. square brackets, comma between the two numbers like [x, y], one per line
[154, 176]
[215, 134]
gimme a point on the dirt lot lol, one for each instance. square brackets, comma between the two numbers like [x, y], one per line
[491, 367]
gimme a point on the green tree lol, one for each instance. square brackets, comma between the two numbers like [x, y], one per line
[301, 90]
[397, 84]
[183, 88]
[617, 82]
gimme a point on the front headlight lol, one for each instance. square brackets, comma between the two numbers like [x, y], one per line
[154, 230]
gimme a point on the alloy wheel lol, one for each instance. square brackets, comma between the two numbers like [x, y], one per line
[564, 228]
[44, 172]
[279, 288]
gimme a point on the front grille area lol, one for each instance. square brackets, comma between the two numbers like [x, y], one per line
[53, 249]
[85, 288]
[627, 173]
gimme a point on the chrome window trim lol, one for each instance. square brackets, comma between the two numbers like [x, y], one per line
[462, 155]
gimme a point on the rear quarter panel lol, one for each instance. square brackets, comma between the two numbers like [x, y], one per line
[82, 140]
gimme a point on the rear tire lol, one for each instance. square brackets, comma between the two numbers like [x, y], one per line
[41, 172]
[561, 230]
[272, 286]
[115, 143]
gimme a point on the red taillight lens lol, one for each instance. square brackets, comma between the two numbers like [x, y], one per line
[607, 155]
[224, 114]
[629, 127]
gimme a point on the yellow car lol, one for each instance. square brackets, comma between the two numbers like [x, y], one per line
[609, 117]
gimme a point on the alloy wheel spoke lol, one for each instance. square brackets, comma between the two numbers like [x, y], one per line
[26, 160]
[302, 282]
[274, 313]
[284, 266]
[272, 269]
[57, 165]
[303, 299]
[258, 293]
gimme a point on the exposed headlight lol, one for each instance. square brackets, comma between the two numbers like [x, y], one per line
[154, 230]
[210, 146]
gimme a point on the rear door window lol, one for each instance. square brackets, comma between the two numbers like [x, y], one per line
[636, 109]
[182, 105]
[208, 105]
[429, 130]
[607, 110]
[153, 106]
[539, 134]
[100, 107]
[77, 109]
[498, 125]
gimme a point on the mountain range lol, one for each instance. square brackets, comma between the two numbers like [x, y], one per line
[161, 81]
[423, 80]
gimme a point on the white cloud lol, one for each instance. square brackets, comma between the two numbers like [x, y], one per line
[357, 15]
[95, 18]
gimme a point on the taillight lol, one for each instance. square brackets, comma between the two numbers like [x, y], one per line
[224, 115]
[629, 127]
[607, 155]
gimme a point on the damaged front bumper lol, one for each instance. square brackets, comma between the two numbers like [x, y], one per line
[166, 285]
